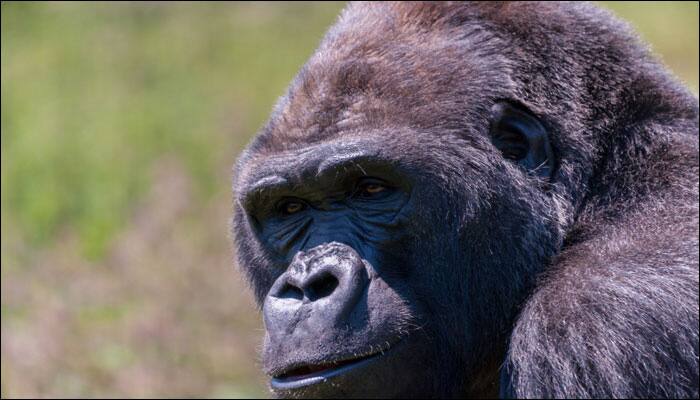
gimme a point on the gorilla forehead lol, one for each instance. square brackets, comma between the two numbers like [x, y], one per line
[372, 70]
[438, 66]
[402, 70]
[403, 154]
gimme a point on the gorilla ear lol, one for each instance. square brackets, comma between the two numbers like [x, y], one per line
[521, 137]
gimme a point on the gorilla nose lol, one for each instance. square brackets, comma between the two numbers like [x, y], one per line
[321, 284]
[309, 287]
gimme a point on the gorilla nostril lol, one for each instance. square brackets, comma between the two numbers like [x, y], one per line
[291, 292]
[322, 286]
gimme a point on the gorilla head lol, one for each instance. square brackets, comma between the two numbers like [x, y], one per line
[423, 169]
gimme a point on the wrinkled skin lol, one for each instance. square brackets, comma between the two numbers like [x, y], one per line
[423, 206]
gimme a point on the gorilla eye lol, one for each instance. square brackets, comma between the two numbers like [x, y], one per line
[291, 206]
[369, 188]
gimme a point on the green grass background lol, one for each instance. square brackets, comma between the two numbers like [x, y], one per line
[120, 123]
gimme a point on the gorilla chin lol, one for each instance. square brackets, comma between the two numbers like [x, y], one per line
[314, 374]
[375, 375]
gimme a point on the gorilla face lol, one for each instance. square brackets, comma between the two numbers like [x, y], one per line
[333, 313]
[335, 220]
[390, 217]
[382, 259]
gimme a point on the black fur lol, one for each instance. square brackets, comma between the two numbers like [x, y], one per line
[582, 282]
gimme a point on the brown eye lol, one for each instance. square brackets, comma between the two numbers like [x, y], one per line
[291, 207]
[373, 188]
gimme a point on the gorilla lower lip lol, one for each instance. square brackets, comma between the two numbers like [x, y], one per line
[313, 374]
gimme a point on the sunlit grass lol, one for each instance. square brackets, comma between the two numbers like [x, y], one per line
[93, 94]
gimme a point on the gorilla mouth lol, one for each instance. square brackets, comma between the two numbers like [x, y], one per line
[317, 373]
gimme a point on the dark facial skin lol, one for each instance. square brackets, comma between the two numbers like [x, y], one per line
[345, 215]
[453, 200]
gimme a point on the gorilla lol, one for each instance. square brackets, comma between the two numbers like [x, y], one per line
[475, 200]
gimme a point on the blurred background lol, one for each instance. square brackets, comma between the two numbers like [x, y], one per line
[120, 124]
